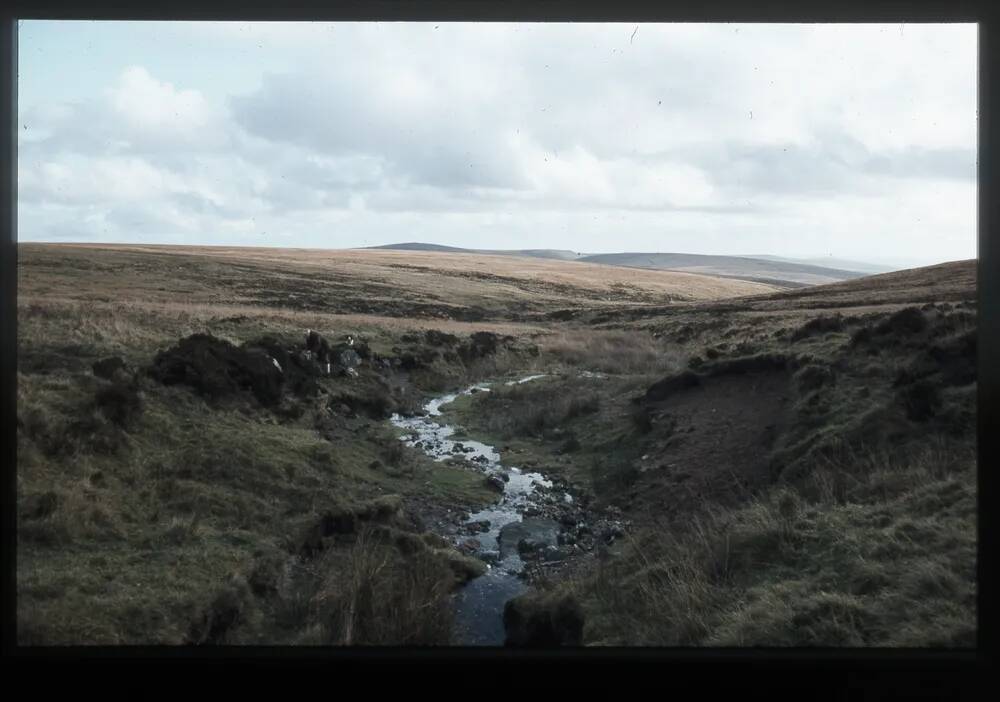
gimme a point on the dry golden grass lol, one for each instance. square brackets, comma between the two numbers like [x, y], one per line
[466, 274]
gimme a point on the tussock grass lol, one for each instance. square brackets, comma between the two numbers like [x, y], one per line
[375, 596]
[539, 411]
[874, 551]
[613, 352]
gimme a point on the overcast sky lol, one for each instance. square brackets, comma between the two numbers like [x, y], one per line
[856, 141]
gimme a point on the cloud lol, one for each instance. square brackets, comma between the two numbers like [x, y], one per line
[570, 136]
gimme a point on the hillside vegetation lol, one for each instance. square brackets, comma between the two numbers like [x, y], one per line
[786, 467]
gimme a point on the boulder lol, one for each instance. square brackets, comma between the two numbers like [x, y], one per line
[347, 358]
[534, 532]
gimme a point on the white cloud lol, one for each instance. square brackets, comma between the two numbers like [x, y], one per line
[728, 137]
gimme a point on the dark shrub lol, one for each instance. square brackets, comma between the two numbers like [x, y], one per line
[571, 445]
[439, 338]
[813, 376]
[219, 618]
[956, 358]
[819, 325]
[579, 406]
[922, 400]
[669, 385]
[746, 364]
[642, 419]
[215, 368]
[906, 321]
[480, 344]
[107, 367]
[120, 402]
[39, 506]
[862, 336]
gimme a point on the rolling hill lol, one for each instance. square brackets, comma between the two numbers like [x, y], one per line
[771, 270]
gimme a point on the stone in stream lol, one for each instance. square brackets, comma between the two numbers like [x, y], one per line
[489, 557]
[552, 554]
[568, 519]
[470, 545]
[533, 532]
[494, 483]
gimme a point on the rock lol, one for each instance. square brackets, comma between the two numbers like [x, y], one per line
[470, 545]
[553, 554]
[481, 526]
[495, 483]
[533, 532]
[347, 358]
[490, 557]
[525, 547]
[611, 532]
[534, 620]
[458, 448]
[504, 477]
[566, 539]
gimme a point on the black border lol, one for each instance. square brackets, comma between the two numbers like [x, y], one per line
[854, 670]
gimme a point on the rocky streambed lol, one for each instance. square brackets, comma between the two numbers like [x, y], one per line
[534, 522]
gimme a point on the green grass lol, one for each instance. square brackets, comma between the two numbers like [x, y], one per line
[155, 517]
[128, 534]
[875, 552]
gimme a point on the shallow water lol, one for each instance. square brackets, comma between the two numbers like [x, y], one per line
[479, 605]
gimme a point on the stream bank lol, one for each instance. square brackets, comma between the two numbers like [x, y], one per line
[535, 526]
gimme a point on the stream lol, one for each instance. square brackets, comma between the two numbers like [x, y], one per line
[479, 605]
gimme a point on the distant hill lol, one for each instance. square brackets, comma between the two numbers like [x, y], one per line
[744, 268]
[838, 263]
[559, 254]
[763, 269]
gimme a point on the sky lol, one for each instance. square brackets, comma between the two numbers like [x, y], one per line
[850, 141]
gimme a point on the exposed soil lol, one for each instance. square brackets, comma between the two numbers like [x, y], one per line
[714, 438]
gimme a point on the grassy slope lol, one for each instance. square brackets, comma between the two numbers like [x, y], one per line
[858, 530]
[132, 535]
